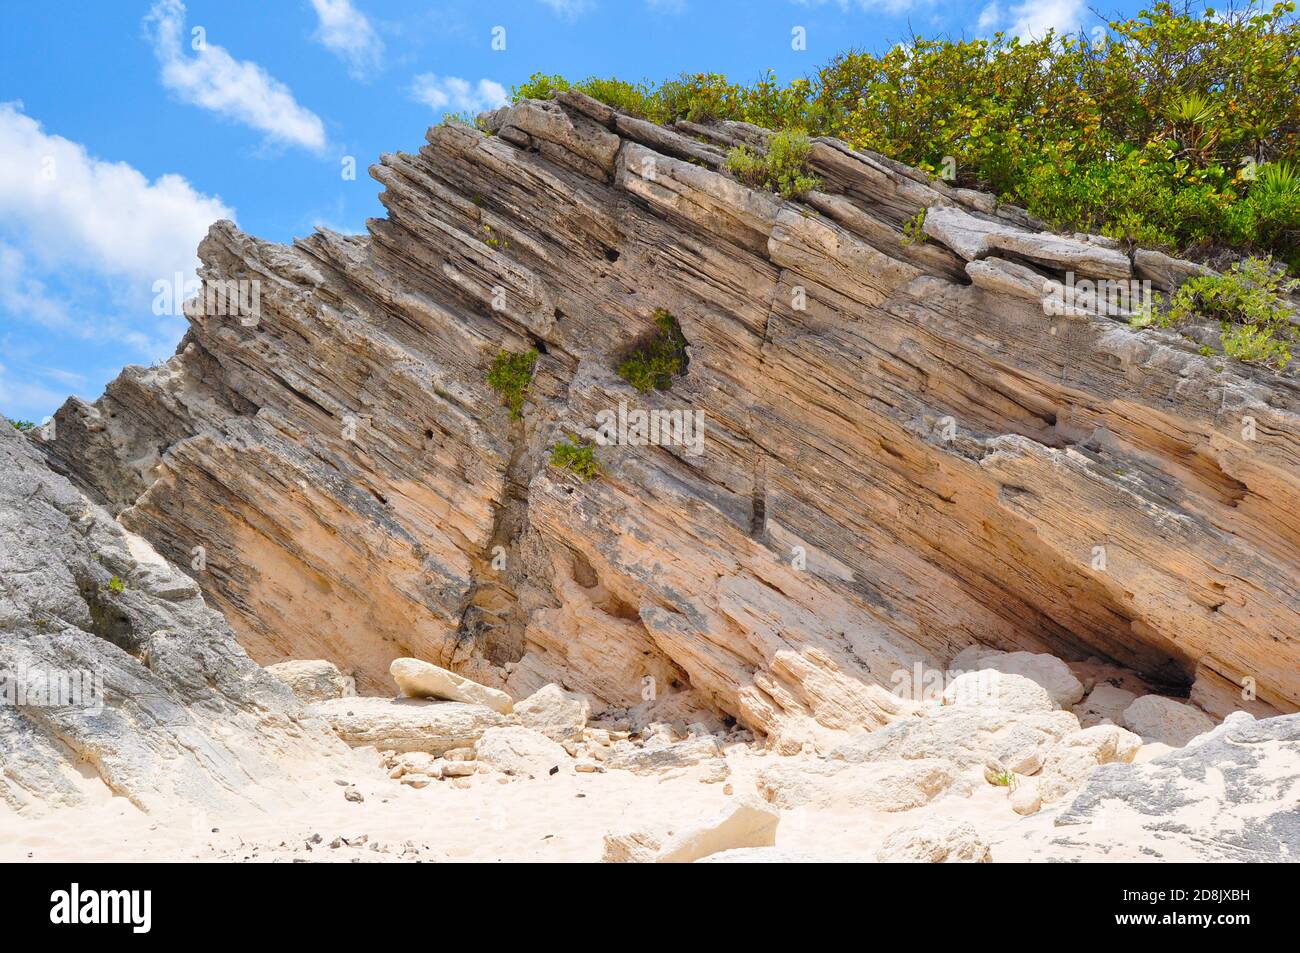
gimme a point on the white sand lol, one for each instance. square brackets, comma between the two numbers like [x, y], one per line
[561, 817]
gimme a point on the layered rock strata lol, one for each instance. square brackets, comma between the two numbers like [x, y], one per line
[904, 454]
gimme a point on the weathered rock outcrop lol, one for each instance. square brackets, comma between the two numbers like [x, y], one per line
[1234, 794]
[114, 673]
[903, 454]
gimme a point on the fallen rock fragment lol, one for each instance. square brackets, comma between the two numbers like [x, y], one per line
[658, 754]
[1024, 797]
[520, 751]
[558, 714]
[744, 823]
[406, 724]
[314, 680]
[967, 736]
[1069, 763]
[935, 842]
[1157, 718]
[419, 679]
[882, 786]
[990, 688]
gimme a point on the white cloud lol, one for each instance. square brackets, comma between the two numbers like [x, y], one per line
[453, 94]
[71, 208]
[82, 241]
[215, 80]
[990, 17]
[347, 31]
[570, 8]
[1033, 18]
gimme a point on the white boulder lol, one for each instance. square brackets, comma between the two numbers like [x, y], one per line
[1170, 722]
[1046, 670]
[406, 724]
[558, 714]
[744, 823]
[520, 751]
[1069, 763]
[419, 679]
[935, 842]
[989, 688]
[880, 785]
[314, 680]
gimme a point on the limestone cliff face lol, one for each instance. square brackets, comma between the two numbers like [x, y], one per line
[112, 669]
[903, 454]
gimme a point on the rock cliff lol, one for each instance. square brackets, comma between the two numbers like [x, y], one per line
[112, 669]
[903, 453]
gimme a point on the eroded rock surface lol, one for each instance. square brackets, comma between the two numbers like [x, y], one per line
[1233, 793]
[936, 842]
[114, 673]
[902, 454]
[314, 680]
[406, 724]
[1165, 720]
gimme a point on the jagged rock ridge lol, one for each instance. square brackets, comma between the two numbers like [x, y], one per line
[903, 455]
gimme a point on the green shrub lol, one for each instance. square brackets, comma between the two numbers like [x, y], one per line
[539, 86]
[1269, 216]
[652, 364]
[637, 99]
[783, 168]
[23, 425]
[464, 118]
[577, 457]
[1146, 135]
[700, 97]
[510, 375]
[1249, 303]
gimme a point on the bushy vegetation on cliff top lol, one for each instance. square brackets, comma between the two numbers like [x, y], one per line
[1177, 128]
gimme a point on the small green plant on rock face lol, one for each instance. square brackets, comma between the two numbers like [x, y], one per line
[782, 169]
[1248, 301]
[116, 586]
[23, 425]
[491, 240]
[510, 375]
[652, 364]
[913, 229]
[577, 457]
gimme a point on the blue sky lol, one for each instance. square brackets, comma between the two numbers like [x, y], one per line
[126, 128]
